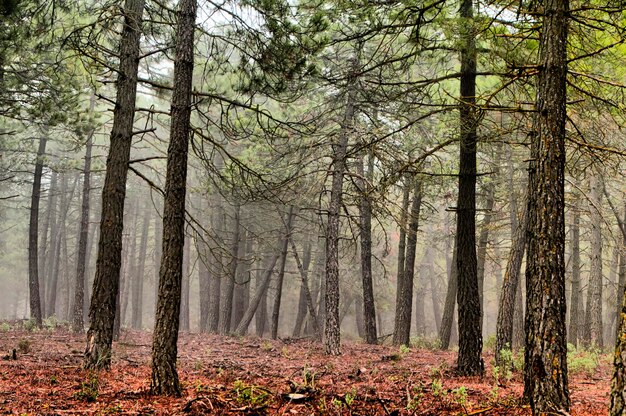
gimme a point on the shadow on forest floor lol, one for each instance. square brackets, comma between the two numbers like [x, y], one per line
[223, 375]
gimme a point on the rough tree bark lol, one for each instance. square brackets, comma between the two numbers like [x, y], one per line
[107, 279]
[164, 349]
[137, 279]
[468, 298]
[365, 224]
[281, 276]
[447, 318]
[617, 405]
[33, 236]
[545, 357]
[228, 288]
[404, 294]
[510, 287]
[332, 336]
[78, 324]
[576, 312]
[593, 311]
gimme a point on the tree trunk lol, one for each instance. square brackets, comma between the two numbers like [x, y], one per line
[365, 209]
[483, 240]
[404, 294]
[302, 299]
[303, 269]
[545, 376]
[593, 312]
[281, 277]
[61, 233]
[239, 295]
[332, 334]
[259, 294]
[468, 297]
[137, 279]
[204, 284]
[621, 273]
[33, 236]
[510, 287]
[260, 315]
[575, 327]
[184, 296]
[78, 324]
[216, 270]
[107, 279]
[618, 383]
[164, 349]
[228, 289]
[44, 255]
[447, 318]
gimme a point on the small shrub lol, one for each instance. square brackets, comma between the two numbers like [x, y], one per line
[583, 362]
[404, 349]
[490, 342]
[4, 327]
[51, 322]
[89, 389]
[30, 325]
[24, 346]
[437, 388]
[460, 396]
[250, 395]
[422, 342]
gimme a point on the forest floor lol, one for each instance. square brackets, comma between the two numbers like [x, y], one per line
[222, 375]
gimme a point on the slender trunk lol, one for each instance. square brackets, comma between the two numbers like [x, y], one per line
[303, 269]
[259, 294]
[204, 283]
[510, 287]
[404, 294]
[281, 276]
[618, 383]
[45, 245]
[128, 271]
[78, 324]
[260, 315]
[483, 240]
[332, 334]
[226, 306]
[107, 279]
[33, 236]
[137, 277]
[575, 314]
[621, 273]
[184, 296]
[593, 312]
[545, 376]
[368, 318]
[447, 318]
[239, 295]
[215, 270]
[61, 233]
[164, 349]
[302, 299]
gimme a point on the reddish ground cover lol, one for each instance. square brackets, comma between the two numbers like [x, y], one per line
[252, 376]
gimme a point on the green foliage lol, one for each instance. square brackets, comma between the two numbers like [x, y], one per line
[30, 325]
[5, 327]
[422, 342]
[437, 388]
[51, 322]
[413, 402]
[404, 349]
[460, 396]
[490, 342]
[24, 346]
[89, 389]
[581, 361]
[249, 395]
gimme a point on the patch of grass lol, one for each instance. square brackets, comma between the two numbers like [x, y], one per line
[580, 361]
[30, 325]
[4, 327]
[51, 322]
[490, 342]
[404, 349]
[24, 346]
[249, 395]
[425, 343]
[89, 389]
